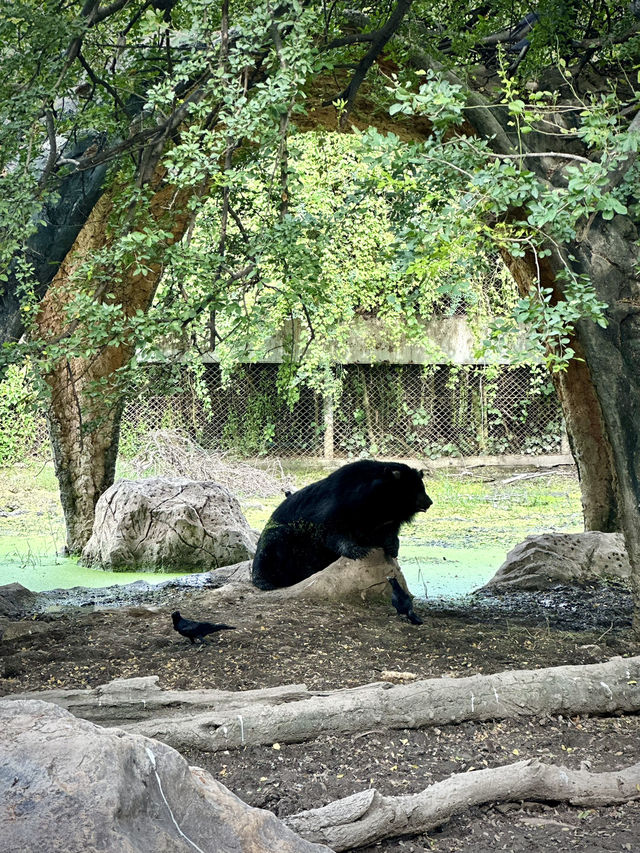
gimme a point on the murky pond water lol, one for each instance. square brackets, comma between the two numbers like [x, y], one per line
[434, 571]
[430, 570]
[31, 561]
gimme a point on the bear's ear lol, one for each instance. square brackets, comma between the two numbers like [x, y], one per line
[421, 472]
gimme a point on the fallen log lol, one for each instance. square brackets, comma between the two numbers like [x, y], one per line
[128, 700]
[604, 688]
[368, 816]
[243, 719]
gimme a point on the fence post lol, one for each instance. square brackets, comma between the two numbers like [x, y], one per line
[327, 417]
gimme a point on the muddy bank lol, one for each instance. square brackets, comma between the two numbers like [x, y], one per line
[569, 608]
[597, 606]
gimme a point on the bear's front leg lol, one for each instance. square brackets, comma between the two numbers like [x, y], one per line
[391, 545]
[344, 546]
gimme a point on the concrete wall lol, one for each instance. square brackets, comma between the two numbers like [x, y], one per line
[446, 339]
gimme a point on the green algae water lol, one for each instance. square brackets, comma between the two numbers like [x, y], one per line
[430, 571]
[448, 572]
[31, 561]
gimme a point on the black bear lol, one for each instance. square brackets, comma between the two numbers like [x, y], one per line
[356, 508]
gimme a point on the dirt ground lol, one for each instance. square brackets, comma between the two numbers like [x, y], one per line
[344, 646]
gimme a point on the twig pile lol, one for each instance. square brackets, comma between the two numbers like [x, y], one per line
[171, 453]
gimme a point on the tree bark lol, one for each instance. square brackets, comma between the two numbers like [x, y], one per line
[601, 395]
[86, 400]
[608, 253]
[582, 413]
[129, 700]
[214, 725]
[61, 220]
[368, 816]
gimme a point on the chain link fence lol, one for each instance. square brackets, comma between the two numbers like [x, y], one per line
[383, 410]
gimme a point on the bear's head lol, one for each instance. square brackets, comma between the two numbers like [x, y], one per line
[406, 491]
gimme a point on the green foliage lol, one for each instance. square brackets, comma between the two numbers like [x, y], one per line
[22, 428]
[311, 233]
[527, 216]
[443, 100]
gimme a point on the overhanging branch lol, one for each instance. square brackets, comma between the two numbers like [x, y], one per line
[378, 39]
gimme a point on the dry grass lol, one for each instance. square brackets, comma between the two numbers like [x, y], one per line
[171, 453]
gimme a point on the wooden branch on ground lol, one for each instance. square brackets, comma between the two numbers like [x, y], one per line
[129, 700]
[604, 688]
[368, 816]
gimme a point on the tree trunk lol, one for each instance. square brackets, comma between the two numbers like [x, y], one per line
[87, 399]
[582, 414]
[601, 395]
[60, 221]
[129, 700]
[608, 253]
[589, 445]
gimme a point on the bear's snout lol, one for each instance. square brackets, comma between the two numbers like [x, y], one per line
[423, 502]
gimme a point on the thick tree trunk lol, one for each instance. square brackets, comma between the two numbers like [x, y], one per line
[60, 221]
[589, 445]
[86, 399]
[582, 414]
[601, 395]
[608, 253]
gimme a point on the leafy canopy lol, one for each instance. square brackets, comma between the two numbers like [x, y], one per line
[218, 94]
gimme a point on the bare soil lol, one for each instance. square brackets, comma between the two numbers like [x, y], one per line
[343, 646]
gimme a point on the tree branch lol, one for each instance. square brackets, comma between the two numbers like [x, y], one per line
[379, 39]
[53, 149]
[367, 817]
[355, 38]
[99, 81]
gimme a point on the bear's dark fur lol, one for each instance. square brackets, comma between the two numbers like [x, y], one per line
[356, 508]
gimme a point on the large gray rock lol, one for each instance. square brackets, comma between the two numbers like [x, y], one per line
[69, 785]
[168, 524]
[542, 562]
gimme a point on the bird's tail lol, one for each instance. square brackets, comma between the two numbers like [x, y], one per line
[411, 616]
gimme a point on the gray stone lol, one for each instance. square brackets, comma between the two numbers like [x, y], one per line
[168, 524]
[69, 785]
[552, 559]
[15, 600]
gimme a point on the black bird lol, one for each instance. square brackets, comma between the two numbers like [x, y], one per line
[196, 630]
[402, 602]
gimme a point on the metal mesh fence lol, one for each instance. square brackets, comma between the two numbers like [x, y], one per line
[395, 410]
